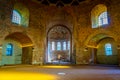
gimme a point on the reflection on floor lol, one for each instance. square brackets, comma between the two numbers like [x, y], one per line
[30, 72]
[60, 62]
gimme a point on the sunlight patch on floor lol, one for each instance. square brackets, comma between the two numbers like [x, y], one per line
[56, 66]
[12, 75]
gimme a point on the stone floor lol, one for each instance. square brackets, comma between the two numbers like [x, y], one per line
[30, 72]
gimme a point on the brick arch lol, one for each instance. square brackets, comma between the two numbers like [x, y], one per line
[94, 38]
[20, 37]
[61, 26]
[60, 17]
[23, 48]
[59, 33]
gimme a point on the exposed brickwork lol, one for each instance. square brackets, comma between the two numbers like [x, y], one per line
[76, 18]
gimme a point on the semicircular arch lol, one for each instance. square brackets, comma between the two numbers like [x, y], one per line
[94, 38]
[20, 37]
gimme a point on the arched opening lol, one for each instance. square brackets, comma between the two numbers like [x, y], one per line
[107, 51]
[17, 49]
[20, 15]
[103, 49]
[99, 16]
[59, 45]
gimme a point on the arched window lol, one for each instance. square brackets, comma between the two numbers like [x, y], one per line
[108, 49]
[68, 45]
[9, 49]
[103, 19]
[20, 15]
[53, 45]
[16, 18]
[64, 45]
[58, 45]
[99, 16]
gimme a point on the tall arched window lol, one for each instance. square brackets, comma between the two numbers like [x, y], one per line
[58, 45]
[108, 49]
[68, 45]
[64, 45]
[9, 49]
[99, 16]
[16, 18]
[103, 19]
[53, 45]
[20, 15]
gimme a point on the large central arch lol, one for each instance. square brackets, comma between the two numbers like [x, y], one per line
[59, 45]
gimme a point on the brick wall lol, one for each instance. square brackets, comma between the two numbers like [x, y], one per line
[76, 18]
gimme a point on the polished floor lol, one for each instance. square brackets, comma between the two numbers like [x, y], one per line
[36, 72]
